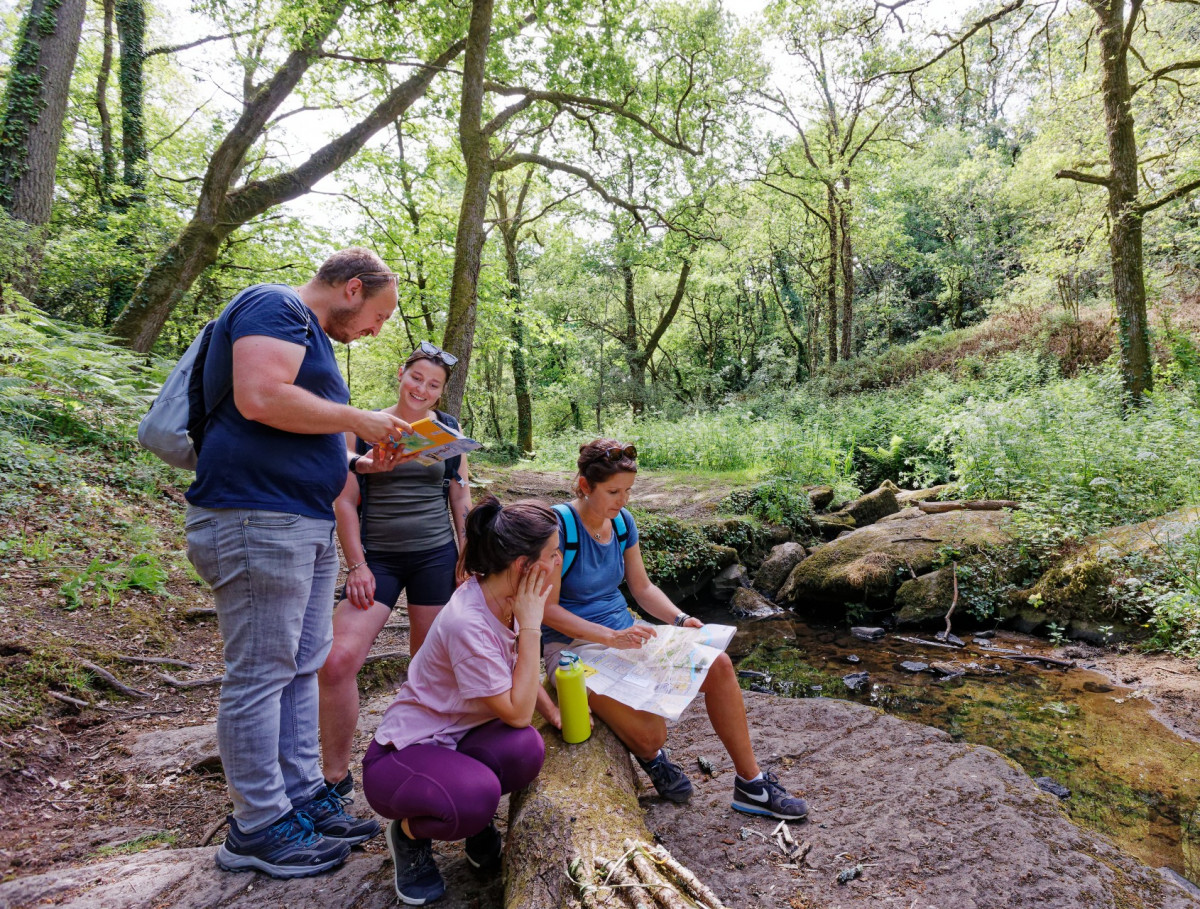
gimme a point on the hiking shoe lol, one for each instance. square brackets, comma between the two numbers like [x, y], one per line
[483, 848]
[767, 798]
[668, 778]
[344, 788]
[418, 880]
[288, 848]
[329, 818]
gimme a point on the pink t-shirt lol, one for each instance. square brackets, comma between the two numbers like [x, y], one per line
[468, 655]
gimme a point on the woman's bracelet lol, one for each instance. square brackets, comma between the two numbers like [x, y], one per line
[680, 619]
[351, 568]
[530, 628]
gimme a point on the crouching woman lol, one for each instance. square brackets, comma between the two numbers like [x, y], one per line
[458, 735]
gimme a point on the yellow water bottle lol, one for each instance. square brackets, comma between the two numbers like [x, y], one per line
[572, 698]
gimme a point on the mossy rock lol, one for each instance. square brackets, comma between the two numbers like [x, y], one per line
[679, 556]
[1075, 592]
[868, 565]
[751, 539]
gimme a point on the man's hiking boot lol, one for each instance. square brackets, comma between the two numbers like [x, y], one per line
[765, 797]
[418, 880]
[344, 787]
[483, 848]
[329, 818]
[668, 778]
[288, 848]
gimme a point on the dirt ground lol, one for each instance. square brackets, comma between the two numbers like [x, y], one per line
[71, 794]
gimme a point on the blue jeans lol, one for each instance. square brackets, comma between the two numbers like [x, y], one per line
[272, 576]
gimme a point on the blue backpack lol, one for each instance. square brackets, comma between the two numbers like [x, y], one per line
[570, 522]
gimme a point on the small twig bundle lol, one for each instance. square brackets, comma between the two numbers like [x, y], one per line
[644, 877]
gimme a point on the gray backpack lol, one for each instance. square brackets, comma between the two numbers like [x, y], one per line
[174, 426]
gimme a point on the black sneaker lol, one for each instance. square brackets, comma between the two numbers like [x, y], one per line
[668, 778]
[329, 818]
[288, 848]
[418, 880]
[767, 798]
[344, 787]
[483, 848]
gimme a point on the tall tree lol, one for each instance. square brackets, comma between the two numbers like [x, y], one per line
[675, 96]
[31, 118]
[223, 206]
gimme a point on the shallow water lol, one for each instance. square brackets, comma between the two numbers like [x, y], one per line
[1130, 777]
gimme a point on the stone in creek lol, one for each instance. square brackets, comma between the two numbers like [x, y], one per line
[856, 680]
[751, 674]
[761, 689]
[1046, 784]
[867, 634]
[853, 658]
[913, 666]
[984, 635]
[947, 638]
[947, 670]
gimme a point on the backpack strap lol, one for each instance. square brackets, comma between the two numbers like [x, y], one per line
[570, 525]
[621, 529]
[451, 474]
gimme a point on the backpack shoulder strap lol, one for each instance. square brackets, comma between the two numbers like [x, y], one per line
[570, 524]
[450, 474]
[621, 529]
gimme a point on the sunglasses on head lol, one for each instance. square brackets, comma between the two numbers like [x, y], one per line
[429, 350]
[621, 451]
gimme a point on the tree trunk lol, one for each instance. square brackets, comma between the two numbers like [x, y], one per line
[831, 302]
[520, 367]
[468, 242]
[108, 158]
[847, 273]
[131, 30]
[582, 803]
[35, 103]
[629, 338]
[1125, 234]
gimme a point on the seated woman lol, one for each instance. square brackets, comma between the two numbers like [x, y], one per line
[458, 735]
[591, 609]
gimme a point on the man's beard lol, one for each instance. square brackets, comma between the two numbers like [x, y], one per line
[340, 320]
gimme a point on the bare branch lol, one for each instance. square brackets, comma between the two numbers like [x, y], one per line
[176, 48]
[1096, 179]
[1177, 193]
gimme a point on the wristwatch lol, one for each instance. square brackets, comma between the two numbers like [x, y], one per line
[681, 618]
[354, 463]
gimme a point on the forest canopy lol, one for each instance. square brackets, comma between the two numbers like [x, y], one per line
[608, 208]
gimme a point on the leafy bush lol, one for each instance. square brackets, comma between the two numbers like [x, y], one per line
[781, 500]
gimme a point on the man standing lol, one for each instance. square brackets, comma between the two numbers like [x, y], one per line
[260, 531]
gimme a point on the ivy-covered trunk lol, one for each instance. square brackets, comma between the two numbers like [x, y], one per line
[847, 258]
[520, 367]
[1124, 215]
[35, 102]
[831, 273]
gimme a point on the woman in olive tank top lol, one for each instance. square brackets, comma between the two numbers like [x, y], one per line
[403, 538]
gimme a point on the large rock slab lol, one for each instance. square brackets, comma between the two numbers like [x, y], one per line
[865, 566]
[934, 822]
[869, 508]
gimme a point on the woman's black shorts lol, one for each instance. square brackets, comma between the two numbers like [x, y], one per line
[426, 576]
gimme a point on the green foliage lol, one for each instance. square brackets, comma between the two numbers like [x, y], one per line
[140, 844]
[673, 551]
[68, 384]
[143, 571]
[780, 500]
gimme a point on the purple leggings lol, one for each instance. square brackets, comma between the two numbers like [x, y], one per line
[450, 794]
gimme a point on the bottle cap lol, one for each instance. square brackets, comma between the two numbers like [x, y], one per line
[567, 657]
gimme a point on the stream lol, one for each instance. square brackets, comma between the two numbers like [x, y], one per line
[1130, 777]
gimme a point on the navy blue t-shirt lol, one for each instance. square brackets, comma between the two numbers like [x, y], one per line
[592, 589]
[247, 464]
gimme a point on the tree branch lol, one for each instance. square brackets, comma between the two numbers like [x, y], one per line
[1095, 179]
[1177, 193]
[176, 48]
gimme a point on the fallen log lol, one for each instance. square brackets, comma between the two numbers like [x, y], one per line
[582, 813]
[582, 805]
[974, 505]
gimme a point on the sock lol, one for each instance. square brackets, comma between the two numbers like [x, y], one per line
[754, 780]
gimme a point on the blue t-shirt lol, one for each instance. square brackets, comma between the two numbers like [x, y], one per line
[592, 589]
[247, 464]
